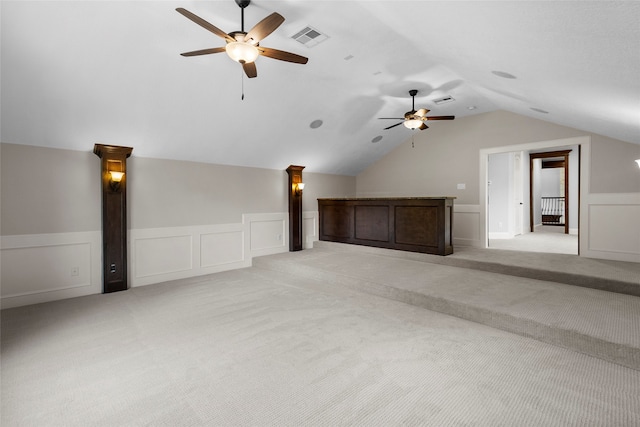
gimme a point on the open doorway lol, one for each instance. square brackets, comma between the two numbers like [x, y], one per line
[549, 190]
[515, 196]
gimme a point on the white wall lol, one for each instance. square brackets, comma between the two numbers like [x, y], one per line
[551, 182]
[185, 219]
[500, 195]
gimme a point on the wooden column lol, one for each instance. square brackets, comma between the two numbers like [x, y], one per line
[295, 208]
[114, 217]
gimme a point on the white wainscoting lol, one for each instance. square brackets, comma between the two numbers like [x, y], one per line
[45, 267]
[48, 267]
[162, 254]
[613, 227]
[466, 225]
[310, 228]
[269, 233]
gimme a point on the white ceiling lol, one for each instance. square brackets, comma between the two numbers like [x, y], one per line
[79, 72]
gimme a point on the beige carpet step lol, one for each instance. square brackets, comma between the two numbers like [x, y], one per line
[611, 276]
[602, 324]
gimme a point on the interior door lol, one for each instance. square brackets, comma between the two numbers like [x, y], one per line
[518, 193]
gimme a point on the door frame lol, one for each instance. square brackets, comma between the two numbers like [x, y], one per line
[584, 150]
[562, 163]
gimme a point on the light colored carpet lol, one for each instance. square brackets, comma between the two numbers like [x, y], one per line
[546, 239]
[254, 347]
[602, 324]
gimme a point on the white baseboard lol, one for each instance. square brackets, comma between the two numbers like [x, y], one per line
[500, 235]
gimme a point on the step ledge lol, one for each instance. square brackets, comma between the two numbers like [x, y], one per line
[618, 353]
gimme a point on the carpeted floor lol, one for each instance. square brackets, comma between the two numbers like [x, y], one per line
[249, 347]
[545, 238]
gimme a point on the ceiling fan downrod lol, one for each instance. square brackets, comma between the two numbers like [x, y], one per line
[242, 4]
[413, 93]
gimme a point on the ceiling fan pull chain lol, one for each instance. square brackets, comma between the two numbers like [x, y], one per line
[242, 84]
[412, 146]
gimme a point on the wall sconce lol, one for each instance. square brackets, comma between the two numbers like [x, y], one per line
[297, 188]
[115, 178]
[638, 162]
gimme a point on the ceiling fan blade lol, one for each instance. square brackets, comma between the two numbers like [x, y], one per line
[265, 27]
[392, 126]
[204, 24]
[390, 118]
[423, 126]
[250, 69]
[282, 55]
[204, 51]
[421, 112]
[441, 118]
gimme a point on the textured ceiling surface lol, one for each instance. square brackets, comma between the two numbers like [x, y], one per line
[79, 72]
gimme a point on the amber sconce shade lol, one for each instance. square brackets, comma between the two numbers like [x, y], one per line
[115, 178]
[297, 188]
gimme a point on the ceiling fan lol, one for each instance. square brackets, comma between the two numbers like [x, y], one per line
[415, 119]
[245, 47]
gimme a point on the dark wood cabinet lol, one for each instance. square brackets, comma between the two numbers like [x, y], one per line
[415, 224]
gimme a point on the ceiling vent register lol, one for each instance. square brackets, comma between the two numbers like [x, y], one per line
[444, 100]
[309, 36]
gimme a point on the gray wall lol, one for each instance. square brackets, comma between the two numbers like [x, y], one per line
[48, 190]
[612, 167]
[448, 153]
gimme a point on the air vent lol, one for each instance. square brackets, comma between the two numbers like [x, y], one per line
[309, 36]
[443, 100]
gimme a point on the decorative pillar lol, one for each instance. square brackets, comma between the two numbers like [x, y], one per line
[114, 216]
[295, 207]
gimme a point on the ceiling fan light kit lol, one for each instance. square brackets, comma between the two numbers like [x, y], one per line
[244, 47]
[242, 52]
[412, 124]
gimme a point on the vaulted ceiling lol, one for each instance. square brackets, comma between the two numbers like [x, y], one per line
[79, 72]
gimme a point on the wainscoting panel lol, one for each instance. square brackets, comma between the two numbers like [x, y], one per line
[466, 225]
[221, 248]
[613, 227]
[269, 233]
[44, 267]
[310, 229]
[163, 255]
